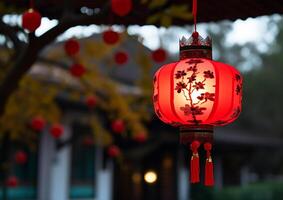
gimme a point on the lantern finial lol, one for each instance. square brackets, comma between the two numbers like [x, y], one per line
[195, 47]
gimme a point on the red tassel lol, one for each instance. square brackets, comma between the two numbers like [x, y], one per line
[195, 162]
[209, 177]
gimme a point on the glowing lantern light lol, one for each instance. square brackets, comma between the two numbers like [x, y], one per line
[31, 20]
[196, 94]
[121, 7]
[150, 177]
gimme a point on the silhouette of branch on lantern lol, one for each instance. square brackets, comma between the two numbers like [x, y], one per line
[191, 86]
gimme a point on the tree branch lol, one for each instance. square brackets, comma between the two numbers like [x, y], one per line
[10, 32]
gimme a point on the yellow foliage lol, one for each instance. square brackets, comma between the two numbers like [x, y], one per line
[166, 17]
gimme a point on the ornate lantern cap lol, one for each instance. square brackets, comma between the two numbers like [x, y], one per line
[195, 47]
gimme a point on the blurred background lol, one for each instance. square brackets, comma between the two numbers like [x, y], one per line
[76, 116]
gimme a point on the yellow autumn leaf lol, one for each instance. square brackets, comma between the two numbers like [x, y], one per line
[166, 20]
[156, 3]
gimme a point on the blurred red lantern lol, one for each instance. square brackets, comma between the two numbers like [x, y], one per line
[12, 181]
[196, 94]
[118, 126]
[77, 70]
[113, 151]
[56, 130]
[31, 20]
[38, 123]
[88, 141]
[140, 137]
[159, 55]
[121, 7]
[21, 157]
[72, 47]
[91, 101]
[121, 58]
[110, 37]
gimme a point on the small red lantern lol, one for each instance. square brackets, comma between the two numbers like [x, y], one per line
[72, 47]
[38, 123]
[113, 151]
[121, 7]
[159, 55]
[91, 101]
[121, 58]
[21, 157]
[77, 70]
[110, 37]
[56, 130]
[12, 181]
[31, 20]
[140, 137]
[88, 141]
[118, 126]
[196, 94]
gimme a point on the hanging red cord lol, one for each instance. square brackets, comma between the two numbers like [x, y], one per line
[31, 4]
[194, 11]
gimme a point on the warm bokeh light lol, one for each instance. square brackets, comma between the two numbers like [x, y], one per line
[150, 177]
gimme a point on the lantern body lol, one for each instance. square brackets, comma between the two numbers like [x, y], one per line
[21, 157]
[72, 47]
[121, 58]
[159, 55]
[38, 123]
[110, 37]
[121, 7]
[31, 20]
[197, 91]
[77, 70]
[56, 130]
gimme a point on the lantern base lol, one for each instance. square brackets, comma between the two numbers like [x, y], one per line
[202, 133]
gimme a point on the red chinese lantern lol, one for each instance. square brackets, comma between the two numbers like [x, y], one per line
[196, 94]
[38, 123]
[118, 126]
[72, 47]
[31, 20]
[56, 130]
[91, 101]
[121, 7]
[12, 181]
[77, 70]
[113, 151]
[110, 37]
[21, 157]
[121, 58]
[140, 137]
[159, 55]
[88, 141]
